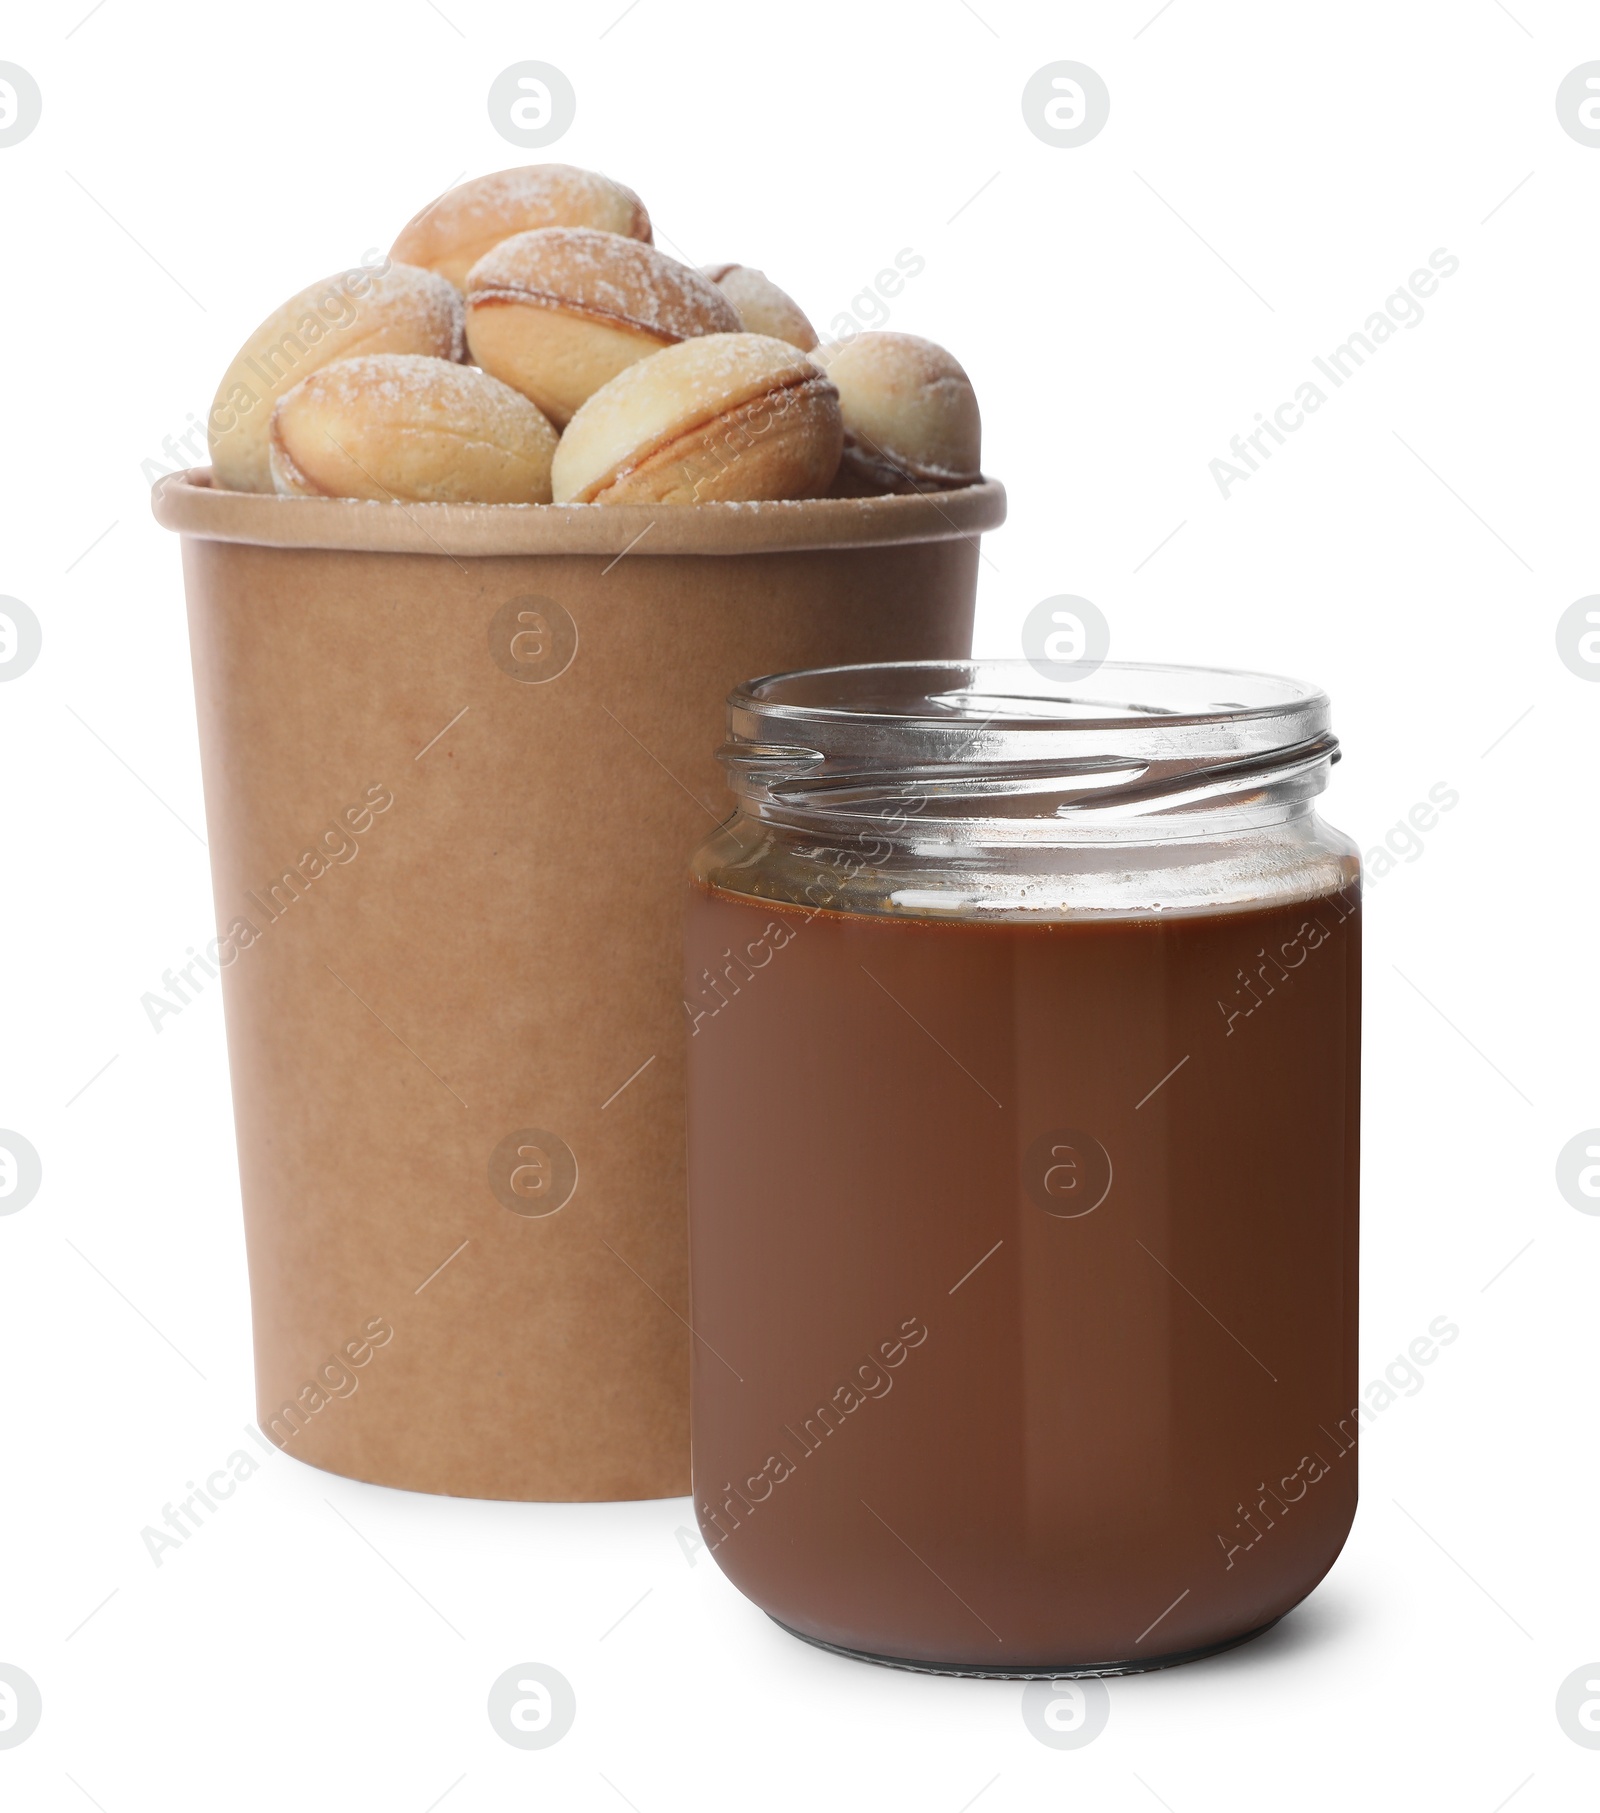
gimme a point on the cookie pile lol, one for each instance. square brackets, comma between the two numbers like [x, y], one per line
[525, 342]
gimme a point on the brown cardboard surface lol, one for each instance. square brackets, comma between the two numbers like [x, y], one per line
[540, 691]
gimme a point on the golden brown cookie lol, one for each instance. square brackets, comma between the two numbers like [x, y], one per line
[451, 234]
[715, 419]
[763, 307]
[558, 312]
[910, 414]
[415, 430]
[398, 310]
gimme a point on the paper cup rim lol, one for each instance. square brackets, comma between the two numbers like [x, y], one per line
[189, 503]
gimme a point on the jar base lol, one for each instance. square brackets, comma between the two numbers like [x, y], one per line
[1031, 1672]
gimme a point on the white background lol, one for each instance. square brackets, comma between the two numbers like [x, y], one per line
[333, 1642]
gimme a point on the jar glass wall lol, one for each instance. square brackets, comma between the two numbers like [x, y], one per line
[1023, 1029]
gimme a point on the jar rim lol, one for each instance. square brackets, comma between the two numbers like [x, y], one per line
[880, 692]
[985, 739]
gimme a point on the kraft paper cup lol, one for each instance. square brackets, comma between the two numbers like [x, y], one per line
[454, 759]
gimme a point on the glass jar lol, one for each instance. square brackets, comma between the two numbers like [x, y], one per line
[1023, 1034]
